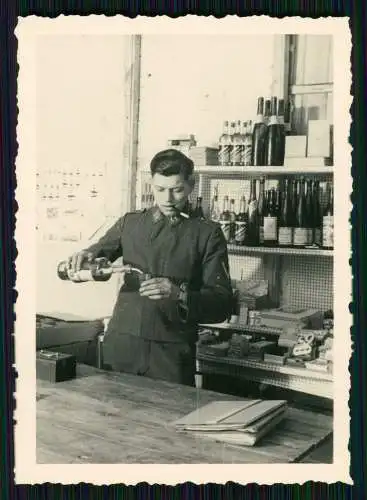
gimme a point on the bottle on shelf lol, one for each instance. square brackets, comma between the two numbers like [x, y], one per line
[285, 217]
[259, 136]
[214, 209]
[267, 111]
[281, 124]
[247, 144]
[300, 228]
[198, 210]
[287, 117]
[225, 219]
[232, 134]
[328, 220]
[241, 224]
[275, 143]
[317, 213]
[237, 145]
[224, 153]
[261, 209]
[252, 217]
[232, 218]
[309, 213]
[271, 220]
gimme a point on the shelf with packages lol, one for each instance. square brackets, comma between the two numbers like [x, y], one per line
[261, 250]
[287, 377]
[241, 172]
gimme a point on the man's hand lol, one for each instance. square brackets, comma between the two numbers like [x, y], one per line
[159, 288]
[76, 261]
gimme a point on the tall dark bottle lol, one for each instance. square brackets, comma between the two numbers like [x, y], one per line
[271, 220]
[261, 209]
[300, 229]
[275, 138]
[285, 216]
[252, 217]
[267, 111]
[232, 218]
[309, 213]
[259, 136]
[225, 219]
[317, 213]
[282, 134]
[198, 210]
[293, 205]
[328, 221]
[241, 223]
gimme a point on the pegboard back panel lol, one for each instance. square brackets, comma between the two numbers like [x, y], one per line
[304, 281]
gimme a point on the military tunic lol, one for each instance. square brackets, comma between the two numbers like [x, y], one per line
[157, 337]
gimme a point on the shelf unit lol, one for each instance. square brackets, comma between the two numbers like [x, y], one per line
[287, 377]
[276, 265]
[273, 261]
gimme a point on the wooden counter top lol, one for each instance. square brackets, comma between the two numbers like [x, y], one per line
[105, 417]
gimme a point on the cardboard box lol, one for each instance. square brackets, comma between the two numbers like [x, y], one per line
[283, 317]
[295, 146]
[319, 138]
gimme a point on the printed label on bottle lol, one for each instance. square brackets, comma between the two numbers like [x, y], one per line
[224, 154]
[328, 231]
[285, 236]
[317, 236]
[270, 229]
[236, 154]
[240, 232]
[226, 228]
[246, 155]
[261, 235]
[82, 275]
[300, 237]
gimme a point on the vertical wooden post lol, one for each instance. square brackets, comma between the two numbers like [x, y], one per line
[131, 122]
[280, 85]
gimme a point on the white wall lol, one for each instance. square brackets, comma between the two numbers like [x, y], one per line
[80, 119]
[191, 84]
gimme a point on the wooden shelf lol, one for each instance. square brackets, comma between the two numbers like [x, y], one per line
[219, 171]
[287, 377]
[302, 252]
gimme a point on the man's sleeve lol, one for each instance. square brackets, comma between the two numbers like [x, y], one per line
[213, 303]
[109, 245]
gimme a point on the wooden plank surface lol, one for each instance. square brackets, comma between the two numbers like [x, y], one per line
[105, 417]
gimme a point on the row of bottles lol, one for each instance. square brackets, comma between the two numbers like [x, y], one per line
[289, 216]
[258, 144]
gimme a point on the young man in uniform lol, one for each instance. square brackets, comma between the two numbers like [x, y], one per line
[153, 328]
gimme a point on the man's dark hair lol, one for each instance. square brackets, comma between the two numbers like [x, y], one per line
[172, 162]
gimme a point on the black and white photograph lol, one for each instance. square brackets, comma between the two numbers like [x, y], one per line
[183, 245]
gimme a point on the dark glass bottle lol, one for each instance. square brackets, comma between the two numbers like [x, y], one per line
[232, 217]
[259, 136]
[241, 224]
[300, 229]
[317, 213]
[198, 210]
[275, 144]
[328, 221]
[261, 209]
[271, 220]
[252, 216]
[225, 219]
[309, 213]
[285, 217]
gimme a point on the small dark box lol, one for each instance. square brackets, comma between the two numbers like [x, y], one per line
[55, 366]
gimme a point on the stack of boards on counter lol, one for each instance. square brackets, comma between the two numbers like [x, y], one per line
[242, 422]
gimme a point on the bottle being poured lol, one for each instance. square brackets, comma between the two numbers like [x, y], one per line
[99, 269]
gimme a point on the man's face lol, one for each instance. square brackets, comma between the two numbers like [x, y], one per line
[171, 192]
